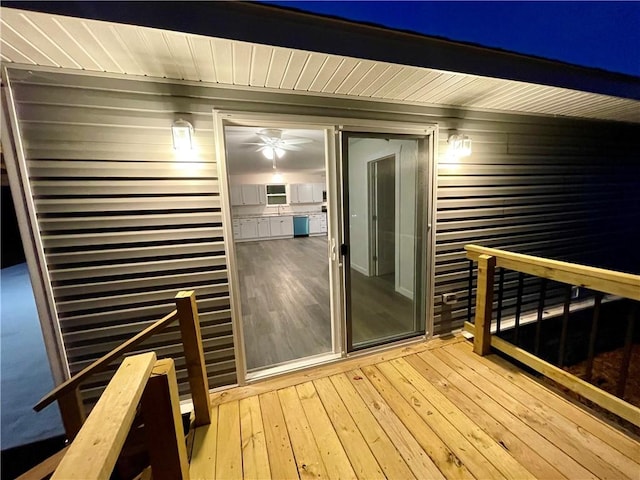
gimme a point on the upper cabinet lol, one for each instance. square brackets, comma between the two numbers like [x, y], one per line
[318, 190]
[306, 192]
[248, 195]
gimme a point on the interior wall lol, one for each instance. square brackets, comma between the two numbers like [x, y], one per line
[361, 152]
[267, 178]
[116, 215]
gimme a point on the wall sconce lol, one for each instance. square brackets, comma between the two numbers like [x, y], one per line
[459, 146]
[181, 131]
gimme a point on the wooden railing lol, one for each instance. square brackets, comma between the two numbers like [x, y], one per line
[140, 380]
[598, 280]
[68, 393]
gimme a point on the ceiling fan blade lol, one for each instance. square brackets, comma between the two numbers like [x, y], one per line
[290, 147]
[297, 141]
[265, 138]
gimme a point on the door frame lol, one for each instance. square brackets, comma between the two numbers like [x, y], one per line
[429, 134]
[333, 127]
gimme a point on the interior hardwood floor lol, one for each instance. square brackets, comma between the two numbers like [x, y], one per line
[435, 410]
[378, 311]
[284, 290]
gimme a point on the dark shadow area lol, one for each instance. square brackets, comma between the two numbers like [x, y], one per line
[16, 461]
[12, 252]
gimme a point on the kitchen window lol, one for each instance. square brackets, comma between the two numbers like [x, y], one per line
[276, 194]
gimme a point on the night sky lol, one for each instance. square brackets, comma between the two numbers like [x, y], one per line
[604, 35]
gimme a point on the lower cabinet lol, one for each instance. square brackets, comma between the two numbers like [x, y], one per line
[317, 223]
[258, 228]
[281, 226]
[264, 227]
[248, 228]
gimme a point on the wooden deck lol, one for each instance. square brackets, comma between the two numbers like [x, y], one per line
[433, 410]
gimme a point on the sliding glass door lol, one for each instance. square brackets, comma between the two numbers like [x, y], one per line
[385, 193]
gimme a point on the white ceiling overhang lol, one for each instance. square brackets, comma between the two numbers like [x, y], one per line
[55, 41]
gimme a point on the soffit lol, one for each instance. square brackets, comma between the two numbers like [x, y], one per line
[34, 38]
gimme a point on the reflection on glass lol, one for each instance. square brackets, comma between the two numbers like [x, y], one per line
[385, 235]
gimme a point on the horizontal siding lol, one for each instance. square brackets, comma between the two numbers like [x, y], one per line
[122, 227]
[556, 194]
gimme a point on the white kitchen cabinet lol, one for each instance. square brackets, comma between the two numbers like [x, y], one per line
[254, 195]
[236, 195]
[248, 228]
[248, 195]
[237, 231]
[317, 223]
[281, 226]
[293, 193]
[317, 189]
[301, 193]
[306, 192]
[264, 227]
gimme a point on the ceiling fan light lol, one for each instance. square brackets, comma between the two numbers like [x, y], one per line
[268, 152]
[280, 152]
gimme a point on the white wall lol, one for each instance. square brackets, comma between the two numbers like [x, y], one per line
[267, 178]
[361, 152]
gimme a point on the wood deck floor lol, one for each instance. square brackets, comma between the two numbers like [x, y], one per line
[433, 410]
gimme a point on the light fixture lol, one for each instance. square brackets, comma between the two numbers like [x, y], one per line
[181, 131]
[459, 146]
[270, 152]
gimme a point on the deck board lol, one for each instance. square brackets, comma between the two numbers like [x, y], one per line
[578, 431]
[363, 461]
[229, 447]
[255, 458]
[506, 430]
[333, 455]
[546, 421]
[428, 411]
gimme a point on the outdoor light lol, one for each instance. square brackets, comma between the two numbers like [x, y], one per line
[181, 131]
[459, 146]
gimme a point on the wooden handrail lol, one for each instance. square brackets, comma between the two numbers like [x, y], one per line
[607, 281]
[610, 402]
[598, 279]
[72, 384]
[96, 448]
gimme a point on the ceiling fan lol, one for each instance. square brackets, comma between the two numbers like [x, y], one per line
[272, 144]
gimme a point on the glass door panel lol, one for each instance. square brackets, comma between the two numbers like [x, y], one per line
[385, 192]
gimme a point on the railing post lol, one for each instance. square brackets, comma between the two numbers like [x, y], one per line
[72, 413]
[163, 423]
[484, 304]
[194, 356]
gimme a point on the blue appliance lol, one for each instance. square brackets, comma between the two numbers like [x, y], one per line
[301, 226]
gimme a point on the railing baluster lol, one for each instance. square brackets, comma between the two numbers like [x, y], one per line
[593, 336]
[516, 331]
[565, 326]
[470, 292]
[541, 299]
[626, 357]
[500, 298]
[72, 412]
